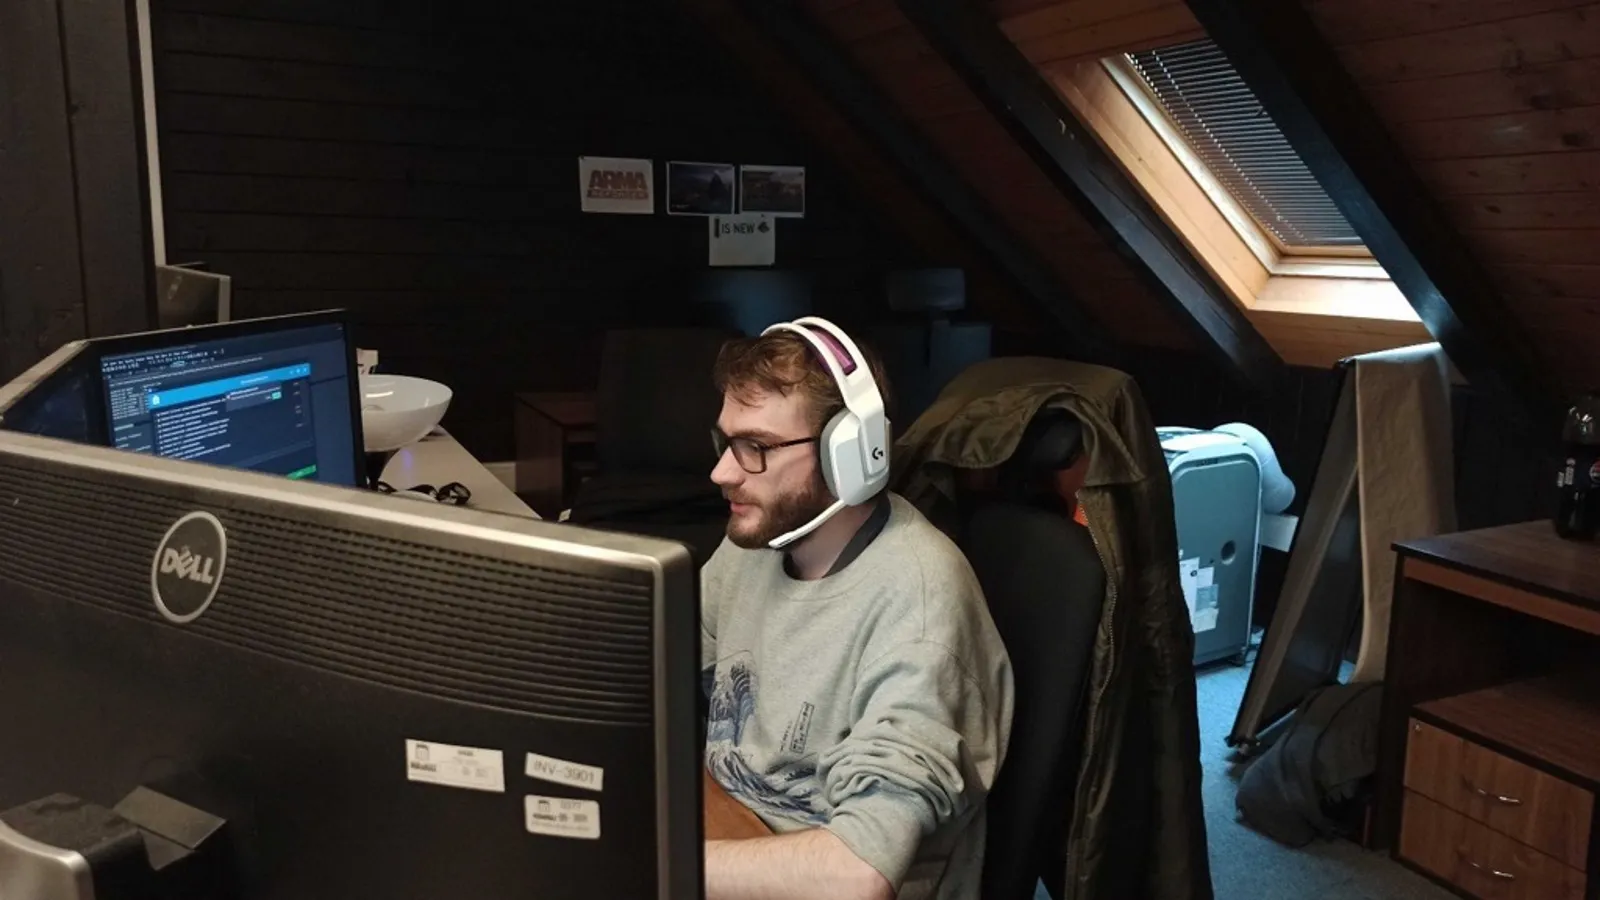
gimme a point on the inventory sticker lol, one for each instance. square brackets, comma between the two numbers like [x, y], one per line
[473, 768]
[561, 817]
[560, 771]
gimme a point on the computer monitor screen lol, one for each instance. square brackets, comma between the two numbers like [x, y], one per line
[378, 698]
[276, 396]
[186, 295]
[56, 398]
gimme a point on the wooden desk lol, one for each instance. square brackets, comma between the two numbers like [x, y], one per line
[439, 459]
[551, 427]
[727, 818]
[1489, 748]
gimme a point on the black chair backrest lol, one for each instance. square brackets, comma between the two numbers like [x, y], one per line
[1052, 441]
[1045, 587]
[656, 403]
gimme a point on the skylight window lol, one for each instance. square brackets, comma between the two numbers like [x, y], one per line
[1226, 131]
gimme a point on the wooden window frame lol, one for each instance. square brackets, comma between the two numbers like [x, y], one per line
[1313, 310]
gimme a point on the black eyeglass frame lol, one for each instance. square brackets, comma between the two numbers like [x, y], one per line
[722, 444]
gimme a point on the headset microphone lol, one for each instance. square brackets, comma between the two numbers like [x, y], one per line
[854, 445]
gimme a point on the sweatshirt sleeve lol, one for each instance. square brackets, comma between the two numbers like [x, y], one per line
[924, 750]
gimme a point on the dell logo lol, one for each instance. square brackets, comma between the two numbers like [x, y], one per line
[188, 567]
[187, 564]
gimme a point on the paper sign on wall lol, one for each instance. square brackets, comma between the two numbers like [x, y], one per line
[609, 184]
[744, 239]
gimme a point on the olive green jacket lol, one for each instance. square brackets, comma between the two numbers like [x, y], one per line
[1137, 828]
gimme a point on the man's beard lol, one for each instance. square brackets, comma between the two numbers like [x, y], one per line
[781, 516]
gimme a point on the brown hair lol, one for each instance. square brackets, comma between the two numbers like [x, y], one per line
[784, 363]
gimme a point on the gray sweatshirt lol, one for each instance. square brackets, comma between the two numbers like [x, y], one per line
[875, 702]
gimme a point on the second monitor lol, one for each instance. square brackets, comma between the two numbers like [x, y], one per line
[277, 396]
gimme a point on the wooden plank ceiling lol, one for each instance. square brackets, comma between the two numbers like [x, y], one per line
[890, 51]
[990, 294]
[1060, 36]
[1496, 104]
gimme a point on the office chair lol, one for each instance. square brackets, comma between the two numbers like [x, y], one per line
[1045, 587]
[654, 411]
[656, 402]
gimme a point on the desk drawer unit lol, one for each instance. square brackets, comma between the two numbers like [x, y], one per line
[1479, 861]
[1518, 801]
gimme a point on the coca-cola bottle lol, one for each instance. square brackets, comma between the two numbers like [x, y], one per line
[1578, 481]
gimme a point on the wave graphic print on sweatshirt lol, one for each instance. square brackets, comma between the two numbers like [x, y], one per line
[791, 794]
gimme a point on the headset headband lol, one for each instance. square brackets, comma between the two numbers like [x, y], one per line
[851, 373]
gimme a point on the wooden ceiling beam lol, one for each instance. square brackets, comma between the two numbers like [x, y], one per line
[1014, 92]
[866, 107]
[1301, 83]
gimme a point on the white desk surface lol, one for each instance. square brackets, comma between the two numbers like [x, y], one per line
[439, 459]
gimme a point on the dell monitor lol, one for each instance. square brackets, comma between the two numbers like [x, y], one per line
[277, 395]
[283, 690]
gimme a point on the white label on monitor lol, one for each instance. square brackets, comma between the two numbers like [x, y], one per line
[560, 771]
[473, 768]
[562, 817]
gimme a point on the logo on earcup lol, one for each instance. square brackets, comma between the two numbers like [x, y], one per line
[877, 453]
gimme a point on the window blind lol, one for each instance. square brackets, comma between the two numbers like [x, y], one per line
[1226, 127]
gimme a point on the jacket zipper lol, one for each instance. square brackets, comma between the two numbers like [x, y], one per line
[1111, 629]
[1100, 689]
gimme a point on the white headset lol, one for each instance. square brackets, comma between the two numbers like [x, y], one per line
[854, 446]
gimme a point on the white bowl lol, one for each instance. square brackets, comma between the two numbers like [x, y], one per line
[397, 410]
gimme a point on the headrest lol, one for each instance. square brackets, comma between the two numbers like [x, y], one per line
[1052, 441]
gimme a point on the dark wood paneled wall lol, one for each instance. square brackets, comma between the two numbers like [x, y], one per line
[416, 163]
[75, 255]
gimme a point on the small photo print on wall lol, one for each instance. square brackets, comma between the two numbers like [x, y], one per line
[775, 190]
[700, 189]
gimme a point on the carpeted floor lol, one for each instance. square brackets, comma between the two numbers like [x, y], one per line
[1245, 864]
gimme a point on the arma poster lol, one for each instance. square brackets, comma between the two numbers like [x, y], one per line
[610, 184]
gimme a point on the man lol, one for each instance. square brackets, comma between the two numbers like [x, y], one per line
[860, 698]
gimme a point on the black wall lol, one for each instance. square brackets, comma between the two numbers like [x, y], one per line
[416, 162]
[74, 227]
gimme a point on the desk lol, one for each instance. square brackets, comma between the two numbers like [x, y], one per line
[1489, 743]
[551, 428]
[439, 459]
[726, 818]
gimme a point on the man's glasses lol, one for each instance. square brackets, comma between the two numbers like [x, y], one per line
[750, 454]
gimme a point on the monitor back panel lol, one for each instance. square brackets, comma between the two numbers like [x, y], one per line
[297, 702]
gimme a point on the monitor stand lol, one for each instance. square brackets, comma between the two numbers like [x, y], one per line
[150, 846]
